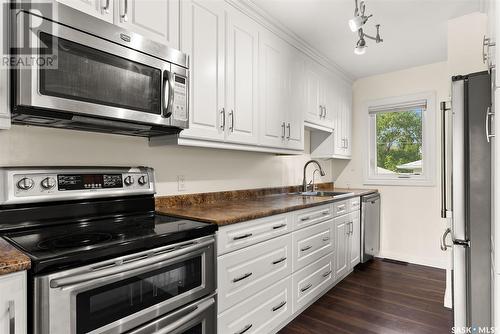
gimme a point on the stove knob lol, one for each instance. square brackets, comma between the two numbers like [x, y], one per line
[25, 183]
[129, 180]
[48, 183]
[142, 180]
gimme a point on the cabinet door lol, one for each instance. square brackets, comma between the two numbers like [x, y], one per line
[313, 84]
[4, 76]
[355, 239]
[272, 90]
[154, 19]
[242, 71]
[341, 245]
[347, 100]
[202, 38]
[296, 101]
[327, 98]
[102, 9]
[13, 302]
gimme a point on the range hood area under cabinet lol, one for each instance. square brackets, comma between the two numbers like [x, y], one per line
[253, 89]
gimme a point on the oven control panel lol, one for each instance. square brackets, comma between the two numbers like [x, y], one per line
[180, 110]
[45, 185]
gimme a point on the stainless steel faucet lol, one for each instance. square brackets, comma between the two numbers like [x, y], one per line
[321, 172]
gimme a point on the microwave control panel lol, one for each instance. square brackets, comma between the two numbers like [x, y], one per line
[180, 110]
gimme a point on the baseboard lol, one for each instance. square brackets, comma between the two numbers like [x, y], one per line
[414, 260]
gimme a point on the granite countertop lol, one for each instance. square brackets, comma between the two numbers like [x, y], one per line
[12, 259]
[233, 207]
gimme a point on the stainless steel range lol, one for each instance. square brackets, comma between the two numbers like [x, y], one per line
[102, 260]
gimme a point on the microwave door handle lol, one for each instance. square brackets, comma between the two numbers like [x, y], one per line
[199, 309]
[168, 94]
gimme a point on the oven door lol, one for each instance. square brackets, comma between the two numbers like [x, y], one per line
[197, 318]
[117, 295]
[93, 77]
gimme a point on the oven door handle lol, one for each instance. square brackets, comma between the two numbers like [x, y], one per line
[131, 266]
[199, 309]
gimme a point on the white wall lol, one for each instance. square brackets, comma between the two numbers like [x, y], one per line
[411, 223]
[205, 170]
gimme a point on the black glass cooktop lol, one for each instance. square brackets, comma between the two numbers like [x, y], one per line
[72, 244]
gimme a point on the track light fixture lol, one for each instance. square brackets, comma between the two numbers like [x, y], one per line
[357, 23]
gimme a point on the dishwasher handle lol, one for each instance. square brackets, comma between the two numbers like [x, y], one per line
[372, 198]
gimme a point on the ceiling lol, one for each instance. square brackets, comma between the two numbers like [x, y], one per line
[414, 31]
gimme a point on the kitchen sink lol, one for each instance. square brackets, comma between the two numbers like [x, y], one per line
[325, 193]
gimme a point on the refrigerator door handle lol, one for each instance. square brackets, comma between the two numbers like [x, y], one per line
[444, 189]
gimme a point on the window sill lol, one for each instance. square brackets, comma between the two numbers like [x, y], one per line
[400, 182]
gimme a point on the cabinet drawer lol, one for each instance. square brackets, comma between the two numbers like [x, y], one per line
[312, 281]
[312, 216]
[354, 204]
[311, 243]
[261, 313]
[237, 236]
[340, 208]
[13, 291]
[244, 273]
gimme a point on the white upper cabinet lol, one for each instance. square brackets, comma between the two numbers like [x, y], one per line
[296, 101]
[343, 120]
[202, 38]
[242, 47]
[273, 90]
[102, 9]
[319, 109]
[154, 19]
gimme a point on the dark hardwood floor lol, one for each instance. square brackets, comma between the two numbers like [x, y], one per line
[380, 297]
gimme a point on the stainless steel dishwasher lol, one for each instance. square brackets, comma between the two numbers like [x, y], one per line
[370, 226]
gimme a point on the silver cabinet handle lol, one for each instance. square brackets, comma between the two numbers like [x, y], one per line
[326, 110]
[12, 317]
[307, 287]
[283, 130]
[306, 248]
[347, 143]
[320, 111]
[223, 119]
[276, 308]
[279, 226]
[244, 236]
[327, 273]
[305, 219]
[279, 261]
[326, 239]
[324, 213]
[489, 113]
[289, 131]
[124, 16]
[245, 329]
[241, 278]
[444, 246]
[105, 8]
[343, 143]
[231, 114]
[351, 229]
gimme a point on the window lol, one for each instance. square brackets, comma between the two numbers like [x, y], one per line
[401, 141]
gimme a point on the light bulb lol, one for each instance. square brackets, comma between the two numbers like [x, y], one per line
[360, 50]
[355, 23]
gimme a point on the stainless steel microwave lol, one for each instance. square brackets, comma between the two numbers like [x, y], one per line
[101, 78]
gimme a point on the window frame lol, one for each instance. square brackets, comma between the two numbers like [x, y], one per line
[429, 142]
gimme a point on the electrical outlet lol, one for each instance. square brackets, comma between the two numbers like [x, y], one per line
[181, 183]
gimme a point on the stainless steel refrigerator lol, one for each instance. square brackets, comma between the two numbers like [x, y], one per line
[466, 196]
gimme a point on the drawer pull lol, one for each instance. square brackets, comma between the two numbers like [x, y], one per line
[244, 236]
[276, 308]
[306, 248]
[280, 260]
[326, 239]
[305, 218]
[325, 213]
[307, 287]
[279, 226]
[327, 273]
[242, 277]
[244, 330]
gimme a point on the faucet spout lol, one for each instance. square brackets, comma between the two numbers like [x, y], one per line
[321, 172]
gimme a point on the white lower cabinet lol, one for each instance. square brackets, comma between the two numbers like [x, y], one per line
[13, 303]
[261, 313]
[311, 243]
[243, 273]
[311, 281]
[270, 269]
